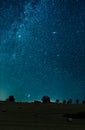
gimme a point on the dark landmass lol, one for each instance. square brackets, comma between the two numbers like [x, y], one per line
[79, 115]
[41, 116]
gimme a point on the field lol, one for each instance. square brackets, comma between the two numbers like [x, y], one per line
[39, 116]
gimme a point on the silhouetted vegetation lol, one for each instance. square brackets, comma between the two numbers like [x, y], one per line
[37, 101]
[77, 101]
[57, 101]
[45, 99]
[11, 99]
[69, 101]
[64, 101]
[83, 102]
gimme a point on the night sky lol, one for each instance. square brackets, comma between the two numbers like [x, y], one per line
[42, 49]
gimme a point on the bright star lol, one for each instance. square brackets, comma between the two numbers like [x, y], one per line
[19, 36]
[54, 33]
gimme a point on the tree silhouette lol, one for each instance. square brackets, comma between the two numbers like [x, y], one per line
[83, 102]
[57, 101]
[77, 101]
[64, 101]
[45, 99]
[11, 99]
[69, 101]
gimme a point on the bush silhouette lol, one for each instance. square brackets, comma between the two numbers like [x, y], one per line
[45, 99]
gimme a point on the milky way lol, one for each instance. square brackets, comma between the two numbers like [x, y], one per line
[42, 49]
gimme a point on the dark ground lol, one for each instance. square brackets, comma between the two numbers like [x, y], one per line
[39, 116]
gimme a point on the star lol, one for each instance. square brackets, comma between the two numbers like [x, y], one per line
[19, 36]
[29, 95]
[54, 32]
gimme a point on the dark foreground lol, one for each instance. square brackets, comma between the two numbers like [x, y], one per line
[31, 116]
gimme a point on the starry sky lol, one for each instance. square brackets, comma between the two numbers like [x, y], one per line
[42, 49]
